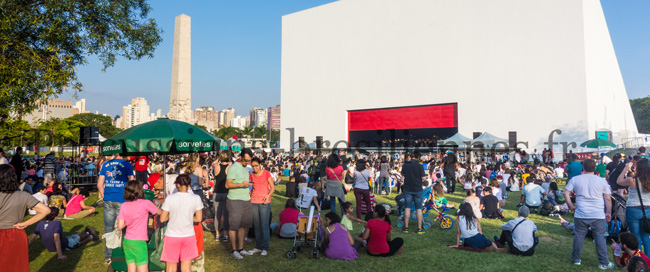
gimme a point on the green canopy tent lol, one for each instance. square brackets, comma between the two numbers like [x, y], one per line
[597, 143]
[164, 137]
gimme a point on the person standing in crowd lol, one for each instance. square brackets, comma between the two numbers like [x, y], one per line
[384, 176]
[13, 206]
[413, 175]
[642, 153]
[133, 216]
[182, 209]
[615, 169]
[449, 167]
[141, 165]
[220, 168]
[49, 162]
[3, 160]
[112, 179]
[240, 209]
[634, 212]
[574, 168]
[17, 162]
[334, 190]
[361, 186]
[263, 188]
[590, 211]
[519, 234]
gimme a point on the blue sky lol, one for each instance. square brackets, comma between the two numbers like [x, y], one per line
[236, 48]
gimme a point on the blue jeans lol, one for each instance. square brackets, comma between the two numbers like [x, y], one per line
[111, 209]
[382, 185]
[261, 221]
[413, 199]
[633, 217]
[333, 201]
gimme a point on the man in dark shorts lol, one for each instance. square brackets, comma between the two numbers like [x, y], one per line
[240, 209]
[412, 176]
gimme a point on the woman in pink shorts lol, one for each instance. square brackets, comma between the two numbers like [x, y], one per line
[182, 209]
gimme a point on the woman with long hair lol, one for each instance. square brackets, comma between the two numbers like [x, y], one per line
[361, 186]
[220, 168]
[13, 206]
[634, 214]
[469, 228]
[334, 190]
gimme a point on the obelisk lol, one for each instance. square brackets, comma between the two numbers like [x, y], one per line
[180, 102]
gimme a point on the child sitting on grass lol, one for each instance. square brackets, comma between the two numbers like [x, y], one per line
[348, 217]
[51, 233]
[439, 200]
[469, 228]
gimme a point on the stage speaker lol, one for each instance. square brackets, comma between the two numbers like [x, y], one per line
[512, 139]
[301, 142]
[319, 142]
[94, 135]
[88, 135]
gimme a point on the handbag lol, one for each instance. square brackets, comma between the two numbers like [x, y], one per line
[156, 254]
[644, 220]
[113, 238]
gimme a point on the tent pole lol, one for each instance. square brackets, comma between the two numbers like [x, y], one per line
[165, 176]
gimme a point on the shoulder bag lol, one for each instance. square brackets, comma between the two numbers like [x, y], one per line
[346, 187]
[644, 220]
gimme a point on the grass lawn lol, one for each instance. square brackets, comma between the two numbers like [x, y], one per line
[421, 252]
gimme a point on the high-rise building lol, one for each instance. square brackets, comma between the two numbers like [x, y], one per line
[53, 108]
[258, 117]
[159, 113]
[225, 116]
[80, 106]
[207, 116]
[180, 103]
[136, 113]
[273, 122]
[239, 122]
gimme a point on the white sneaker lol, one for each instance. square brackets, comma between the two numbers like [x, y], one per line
[237, 255]
[247, 240]
[246, 252]
[264, 253]
[253, 251]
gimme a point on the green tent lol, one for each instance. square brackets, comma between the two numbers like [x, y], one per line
[597, 143]
[163, 136]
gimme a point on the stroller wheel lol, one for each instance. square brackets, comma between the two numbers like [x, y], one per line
[298, 249]
[315, 254]
[290, 255]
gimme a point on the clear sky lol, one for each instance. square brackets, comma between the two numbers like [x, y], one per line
[236, 46]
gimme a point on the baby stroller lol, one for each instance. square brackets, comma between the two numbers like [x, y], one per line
[309, 228]
[618, 223]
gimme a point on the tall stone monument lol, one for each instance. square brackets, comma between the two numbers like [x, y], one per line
[180, 102]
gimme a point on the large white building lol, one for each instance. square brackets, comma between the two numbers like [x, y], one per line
[136, 113]
[438, 66]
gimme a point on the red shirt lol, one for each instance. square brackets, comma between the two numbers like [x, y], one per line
[260, 187]
[625, 259]
[141, 163]
[378, 240]
[288, 215]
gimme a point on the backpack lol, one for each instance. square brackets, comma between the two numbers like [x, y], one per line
[559, 197]
[479, 191]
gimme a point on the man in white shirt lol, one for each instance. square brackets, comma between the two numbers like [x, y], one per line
[532, 194]
[590, 211]
[559, 172]
[519, 234]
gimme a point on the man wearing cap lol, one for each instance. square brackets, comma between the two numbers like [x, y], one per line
[3, 160]
[519, 234]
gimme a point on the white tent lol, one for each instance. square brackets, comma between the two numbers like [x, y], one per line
[489, 139]
[458, 139]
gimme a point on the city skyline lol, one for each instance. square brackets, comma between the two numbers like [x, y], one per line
[236, 55]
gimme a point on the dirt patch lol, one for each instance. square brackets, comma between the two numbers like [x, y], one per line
[546, 239]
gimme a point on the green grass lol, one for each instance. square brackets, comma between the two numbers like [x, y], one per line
[421, 252]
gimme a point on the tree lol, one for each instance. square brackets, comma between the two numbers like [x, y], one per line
[261, 131]
[61, 131]
[105, 123]
[641, 111]
[43, 42]
[274, 136]
[247, 131]
[15, 133]
[226, 132]
[201, 127]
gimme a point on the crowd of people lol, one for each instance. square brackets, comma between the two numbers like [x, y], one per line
[232, 193]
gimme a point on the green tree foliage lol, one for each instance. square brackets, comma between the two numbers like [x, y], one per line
[226, 132]
[42, 43]
[246, 131]
[201, 127]
[60, 131]
[105, 123]
[16, 133]
[641, 111]
[260, 132]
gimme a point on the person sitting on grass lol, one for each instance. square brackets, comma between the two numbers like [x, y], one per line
[469, 228]
[439, 200]
[637, 264]
[338, 242]
[288, 221]
[348, 217]
[377, 233]
[51, 233]
[40, 195]
[628, 247]
[77, 209]
[57, 200]
[490, 205]
[532, 194]
[519, 234]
